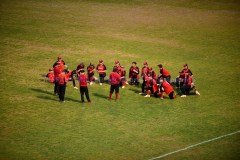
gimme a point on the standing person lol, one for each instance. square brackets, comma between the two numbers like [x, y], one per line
[188, 85]
[167, 88]
[145, 72]
[57, 70]
[123, 81]
[59, 61]
[62, 82]
[50, 76]
[82, 78]
[114, 79]
[101, 68]
[134, 74]
[90, 73]
[180, 78]
[70, 76]
[164, 73]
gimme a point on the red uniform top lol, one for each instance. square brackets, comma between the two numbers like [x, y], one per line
[187, 81]
[82, 78]
[184, 71]
[68, 75]
[123, 72]
[62, 79]
[167, 87]
[119, 69]
[101, 68]
[114, 78]
[51, 77]
[145, 71]
[133, 72]
[164, 72]
[90, 69]
[57, 70]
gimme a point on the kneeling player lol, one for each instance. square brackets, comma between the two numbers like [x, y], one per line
[114, 80]
[167, 88]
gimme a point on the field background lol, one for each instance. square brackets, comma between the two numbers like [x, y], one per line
[204, 34]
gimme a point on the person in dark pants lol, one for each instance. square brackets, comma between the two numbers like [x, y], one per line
[145, 72]
[114, 79]
[101, 68]
[82, 78]
[62, 82]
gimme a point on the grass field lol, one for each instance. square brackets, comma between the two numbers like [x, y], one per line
[204, 34]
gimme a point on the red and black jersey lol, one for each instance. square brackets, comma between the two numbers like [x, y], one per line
[90, 70]
[118, 69]
[187, 81]
[152, 74]
[114, 78]
[62, 79]
[51, 77]
[164, 72]
[60, 62]
[82, 78]
[167, 87]
[184, 72]
[57, 70]
[145, 71]
[133, 72]
[101, 68]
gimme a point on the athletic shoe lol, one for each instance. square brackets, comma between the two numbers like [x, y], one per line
[183, 95]
[91, 83]
[197, 93]
[100, 84]
[75, 87]
[123, 86]
[126, 82]
[147, 95]
[141, 93]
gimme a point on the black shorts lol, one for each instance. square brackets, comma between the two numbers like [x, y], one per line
[114, 87]
[171, 95]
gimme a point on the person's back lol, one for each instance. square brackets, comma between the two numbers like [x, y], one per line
[167, 87]
[114, 78]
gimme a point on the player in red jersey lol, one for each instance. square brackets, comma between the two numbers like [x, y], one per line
[180, 78]
[114, 79]
[50, 76]
[82, 78]
[62, 82]
[59, 61]
[151, 86]
[188, 85]
[167, 88]
[101, 68]
[145, 72]
[134, 74]
[164, 73]
[90, 73]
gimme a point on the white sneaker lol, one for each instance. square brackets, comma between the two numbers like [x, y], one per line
[100, 84]
[183, 95]
[197, 93]
[75, 87]
[147, 95]
[123, 86]
[91, 83]
[141, 93]
[126, 82]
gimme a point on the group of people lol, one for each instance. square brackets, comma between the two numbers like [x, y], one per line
[152, 84]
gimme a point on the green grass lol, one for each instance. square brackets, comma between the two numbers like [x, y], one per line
[204, 34]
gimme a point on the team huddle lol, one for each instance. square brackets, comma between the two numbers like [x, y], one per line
[152, 84]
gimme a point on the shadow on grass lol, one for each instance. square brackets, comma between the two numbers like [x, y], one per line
[100, 95]
[135, 90]
[51, 98]
[41, 91]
